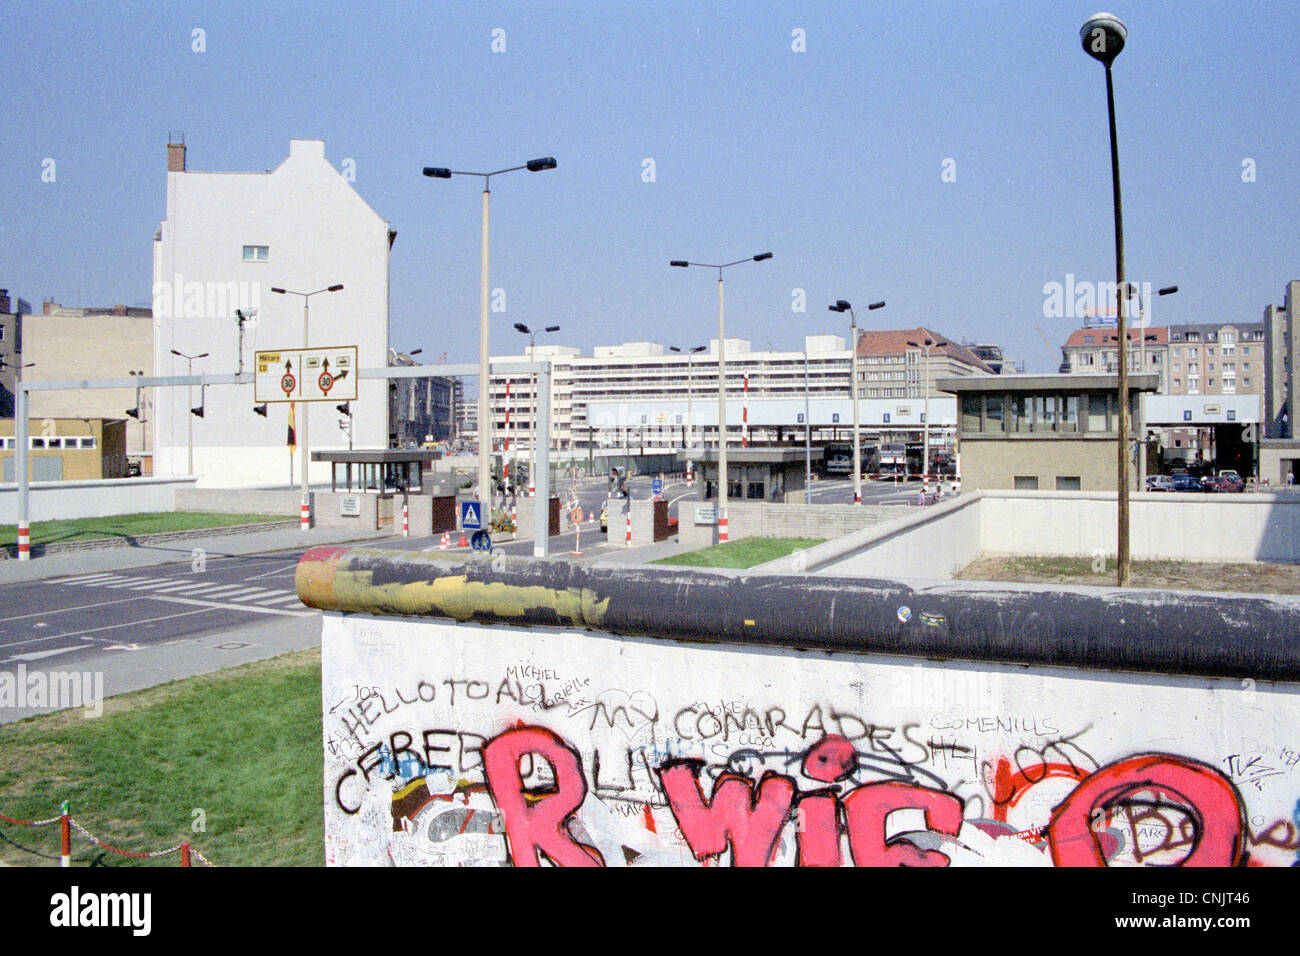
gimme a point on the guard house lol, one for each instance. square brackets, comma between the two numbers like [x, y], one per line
[382, 472]
[369, 488]
[1043, 432]
[756, 474]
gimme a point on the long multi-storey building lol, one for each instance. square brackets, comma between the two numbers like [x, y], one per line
[633, 374]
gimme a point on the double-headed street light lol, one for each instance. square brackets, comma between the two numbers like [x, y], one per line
[925, 415]
[690, 353]
[532, 418]
[300, 429]
[1103, 36]
[842, 306]
[484, 421]
[722, 385]
[1142, 368]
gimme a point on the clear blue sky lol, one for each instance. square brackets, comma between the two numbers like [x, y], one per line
[830, 158]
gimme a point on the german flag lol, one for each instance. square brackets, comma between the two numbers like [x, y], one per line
[292, 440]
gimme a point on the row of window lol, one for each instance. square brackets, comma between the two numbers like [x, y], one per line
[1063, 483]
[1092, 412]
[45, 442]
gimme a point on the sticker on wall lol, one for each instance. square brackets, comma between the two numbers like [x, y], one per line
[934, 620]
[904, 613]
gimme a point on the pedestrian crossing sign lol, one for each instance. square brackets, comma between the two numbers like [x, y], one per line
[471, 515]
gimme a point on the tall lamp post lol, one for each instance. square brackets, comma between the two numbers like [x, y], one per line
[1142, 368]
[842, 306]
[484, 421]
[722, 384]
[1103, 36]
[300, 430]
[189, 359]
[690, 354]
[925, 415]
[532, 417]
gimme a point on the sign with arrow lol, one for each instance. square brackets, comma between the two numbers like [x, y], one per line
[306, 375]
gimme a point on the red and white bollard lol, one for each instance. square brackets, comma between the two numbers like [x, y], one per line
[629, 522]
[406, 522]
[690, 478]
[305, 514]
[24, 542]
[722, 528]
[65, 835]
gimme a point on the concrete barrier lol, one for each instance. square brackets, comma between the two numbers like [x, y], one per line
[57, 500]
[746, 519]
[529, 712]
[266, 501]
[939, 540]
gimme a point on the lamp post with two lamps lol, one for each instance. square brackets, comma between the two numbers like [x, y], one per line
[843, 306]
[190, 359]
[722, 384]
[484, 420]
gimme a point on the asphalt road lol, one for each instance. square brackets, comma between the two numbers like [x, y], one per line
[139, 627]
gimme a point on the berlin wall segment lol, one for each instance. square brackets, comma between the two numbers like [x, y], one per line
[461, 743]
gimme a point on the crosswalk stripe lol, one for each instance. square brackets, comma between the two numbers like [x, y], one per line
[90, 577]
[280, 597]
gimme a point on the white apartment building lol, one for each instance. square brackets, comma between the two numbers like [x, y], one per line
[228, 239]
[596, 399]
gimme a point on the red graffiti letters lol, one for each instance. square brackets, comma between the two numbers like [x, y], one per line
[733, 817]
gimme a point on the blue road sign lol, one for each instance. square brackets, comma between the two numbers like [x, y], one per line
[471, 515]
[480, 541]
[657, 486]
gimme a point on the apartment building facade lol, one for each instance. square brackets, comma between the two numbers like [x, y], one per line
[228, 240]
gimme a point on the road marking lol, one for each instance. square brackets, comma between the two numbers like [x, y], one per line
[37, 655]
[62, 610]
[268, 574]
[108, 627]
[87, 577]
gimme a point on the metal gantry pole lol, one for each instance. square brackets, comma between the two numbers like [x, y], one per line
[853, 397]
[21, 457]
[807, 433]
[305, 507]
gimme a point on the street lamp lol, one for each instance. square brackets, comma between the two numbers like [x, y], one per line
[842, 306]
[190, 392]
[532, 418]
[300, 430]
[484, 422]
[1142, 367]
[690, 353]
[722, 385]
[925, 416]
[1103, 36]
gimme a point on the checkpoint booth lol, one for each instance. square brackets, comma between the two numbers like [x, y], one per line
[757, 474]
[369, 487]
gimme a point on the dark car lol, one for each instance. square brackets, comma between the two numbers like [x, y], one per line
[1186, 483]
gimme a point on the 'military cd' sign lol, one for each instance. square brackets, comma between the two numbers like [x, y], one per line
[306, 375]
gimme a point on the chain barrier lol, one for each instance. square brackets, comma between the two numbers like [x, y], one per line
[68, 824]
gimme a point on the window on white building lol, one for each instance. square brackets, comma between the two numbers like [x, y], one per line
[257, 253]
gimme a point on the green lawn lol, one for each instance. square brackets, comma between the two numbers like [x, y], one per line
[744, 553]
[128, 526]
[242, 745]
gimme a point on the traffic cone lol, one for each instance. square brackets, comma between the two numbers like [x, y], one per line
[445, 543]
[464, 541]
[591, 517]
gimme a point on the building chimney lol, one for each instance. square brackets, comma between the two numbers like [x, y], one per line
[48, 306]
[4, 301]
[119, 310]
[176, 156]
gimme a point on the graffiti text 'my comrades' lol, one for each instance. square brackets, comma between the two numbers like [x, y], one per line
[1196, 809]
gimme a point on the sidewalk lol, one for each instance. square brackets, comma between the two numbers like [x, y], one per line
[178, 550]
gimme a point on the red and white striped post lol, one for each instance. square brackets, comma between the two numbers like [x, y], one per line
[722, 528]
[406, 521]
[24, 542]
[65, 835]
[629, 521]
[305, 514]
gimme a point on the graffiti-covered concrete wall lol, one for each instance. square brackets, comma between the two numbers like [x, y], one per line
[451, 743]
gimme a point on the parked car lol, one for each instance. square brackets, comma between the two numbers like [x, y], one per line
[1160, 483]
[1186, 483]
[1222, 483]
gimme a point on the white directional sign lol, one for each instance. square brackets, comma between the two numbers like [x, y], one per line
[306, 375]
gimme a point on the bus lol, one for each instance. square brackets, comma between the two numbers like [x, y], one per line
[893, 460]
[837, 459]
